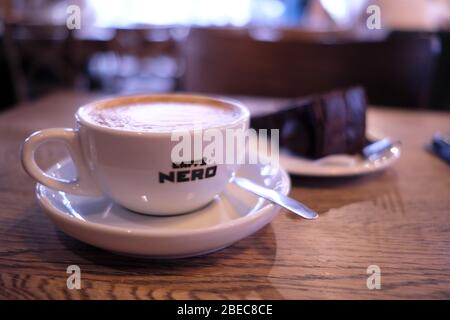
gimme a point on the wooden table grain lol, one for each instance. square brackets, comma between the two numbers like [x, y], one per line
[398, 219]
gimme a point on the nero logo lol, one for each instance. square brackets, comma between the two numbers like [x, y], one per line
[190, 171]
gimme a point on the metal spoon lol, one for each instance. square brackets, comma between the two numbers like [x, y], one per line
[276, 197]
[378, 148]
[371, 152]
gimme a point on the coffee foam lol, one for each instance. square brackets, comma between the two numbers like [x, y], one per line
[162, 116]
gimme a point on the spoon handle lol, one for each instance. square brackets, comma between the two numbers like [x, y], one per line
[276, 197]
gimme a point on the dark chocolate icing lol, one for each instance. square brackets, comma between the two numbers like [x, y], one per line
[320, 125]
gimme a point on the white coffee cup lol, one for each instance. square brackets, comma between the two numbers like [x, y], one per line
[125, 165]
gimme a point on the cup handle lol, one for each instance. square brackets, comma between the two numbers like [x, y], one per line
[82, 185]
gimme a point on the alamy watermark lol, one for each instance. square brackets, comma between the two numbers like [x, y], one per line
[374, 280]
[374, 19]
[74, 280]
[73, 20]
[226, 146]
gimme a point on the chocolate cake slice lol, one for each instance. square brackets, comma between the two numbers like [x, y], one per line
[331, 116]
[356, 119]
[320, 125]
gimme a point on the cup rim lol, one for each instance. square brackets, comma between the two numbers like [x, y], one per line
[244, 113]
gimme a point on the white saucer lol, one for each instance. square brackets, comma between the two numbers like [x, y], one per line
[342, 165]
[233, 215]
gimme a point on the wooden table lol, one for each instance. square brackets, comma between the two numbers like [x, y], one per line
[398, 220]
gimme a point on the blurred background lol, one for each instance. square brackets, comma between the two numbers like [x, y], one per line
[278, 48]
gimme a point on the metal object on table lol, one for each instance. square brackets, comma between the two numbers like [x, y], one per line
[277, 198]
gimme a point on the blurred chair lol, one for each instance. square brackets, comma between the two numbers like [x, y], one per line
[40, 58]
[441, 86]
[137, 59]
[397, 70]
[7, 95]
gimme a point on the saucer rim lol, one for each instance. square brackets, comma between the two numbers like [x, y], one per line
[335, 172]
[58, 215]
[343, 172]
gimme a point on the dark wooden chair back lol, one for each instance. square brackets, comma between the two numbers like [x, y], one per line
[397, 70]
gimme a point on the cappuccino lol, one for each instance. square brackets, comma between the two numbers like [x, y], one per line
[162, 116]
[123, 148]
